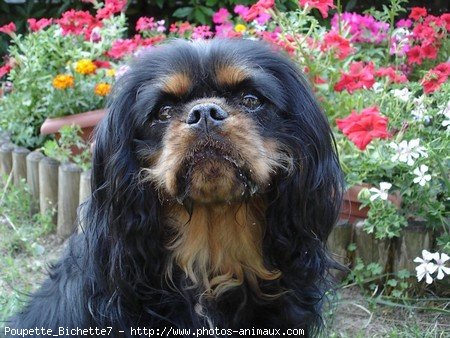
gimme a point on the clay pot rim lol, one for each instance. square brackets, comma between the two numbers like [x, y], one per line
[84, 120]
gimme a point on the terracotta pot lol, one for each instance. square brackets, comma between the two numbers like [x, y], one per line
[350, 206]
[87, 121]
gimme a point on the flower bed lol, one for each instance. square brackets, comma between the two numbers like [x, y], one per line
[382, 81]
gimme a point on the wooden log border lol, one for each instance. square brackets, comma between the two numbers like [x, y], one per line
[43, 174]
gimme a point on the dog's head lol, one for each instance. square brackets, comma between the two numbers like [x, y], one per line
[209, 125]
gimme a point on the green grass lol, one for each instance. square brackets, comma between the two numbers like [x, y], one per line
[21, 246]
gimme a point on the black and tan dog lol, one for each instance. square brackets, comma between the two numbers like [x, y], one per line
[215, 186]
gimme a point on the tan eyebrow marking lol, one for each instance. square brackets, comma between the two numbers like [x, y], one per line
[177, 84]
[230, 75]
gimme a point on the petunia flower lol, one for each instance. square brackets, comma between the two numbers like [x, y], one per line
[322, 5]
[381, 193]
[362, 128]
[422, 178]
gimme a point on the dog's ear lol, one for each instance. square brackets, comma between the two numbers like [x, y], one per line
[122, 216]
[304, 204]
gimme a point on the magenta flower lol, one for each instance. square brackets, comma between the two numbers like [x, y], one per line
[221, 16]
[363, 28]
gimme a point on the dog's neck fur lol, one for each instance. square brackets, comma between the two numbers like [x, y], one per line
[219, 246]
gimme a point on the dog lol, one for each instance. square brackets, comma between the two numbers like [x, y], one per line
[215, 185]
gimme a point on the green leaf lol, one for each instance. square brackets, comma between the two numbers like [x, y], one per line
[182, 12]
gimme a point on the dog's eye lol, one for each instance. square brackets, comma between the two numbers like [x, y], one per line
[251, 102]
[164, 113]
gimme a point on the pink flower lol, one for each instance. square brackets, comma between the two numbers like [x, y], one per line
[8, 29]
[322, 5]
[360, 76]
[121, 48]
[362, 128]
[340, 45]
[221, 16]
[404, 23]
[262, 18]
[145, 23]
[110, 7]
[36, 25]
[224, 30]
[202, 32]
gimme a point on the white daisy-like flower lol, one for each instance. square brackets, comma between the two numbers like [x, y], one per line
[441, 268]
[377, 87]
[408, 152]
[422, 178]
[401, 94]
[380, 193]
[426, 267]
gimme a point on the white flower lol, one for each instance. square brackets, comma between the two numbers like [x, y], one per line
[426, 268]
[401, 94]
[421, 178]
[377, 87]
[408, 152]
[380, 193]
[440, 262]
[446, 112]
[420, 109]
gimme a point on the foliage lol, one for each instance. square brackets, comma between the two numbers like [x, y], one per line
[36, 59]
[70, 147]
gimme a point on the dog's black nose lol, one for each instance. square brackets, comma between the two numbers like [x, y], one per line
[206, 116]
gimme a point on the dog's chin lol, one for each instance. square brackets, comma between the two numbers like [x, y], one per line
[211, 177]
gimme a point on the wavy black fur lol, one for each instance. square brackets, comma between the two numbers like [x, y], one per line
[112, 274]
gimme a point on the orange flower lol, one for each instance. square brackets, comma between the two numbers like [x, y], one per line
[85, 67]
[63, 81]
[102, 89]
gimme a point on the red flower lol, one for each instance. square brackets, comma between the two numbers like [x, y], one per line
[414, 55]
[102, 64]
[435, 77]
[5, 69]
[110, 8]
[359, 76]
[322, 5]
[362, 128]
[259, 8]
[443, 68]
[77, 22]
[429, 52]
[392, 74]
[36, 25]
[121, 47]
[445, 19]
[8, 29]
[417, 13]
[341, 46]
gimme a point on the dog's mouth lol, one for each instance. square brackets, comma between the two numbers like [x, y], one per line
[213, 172]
